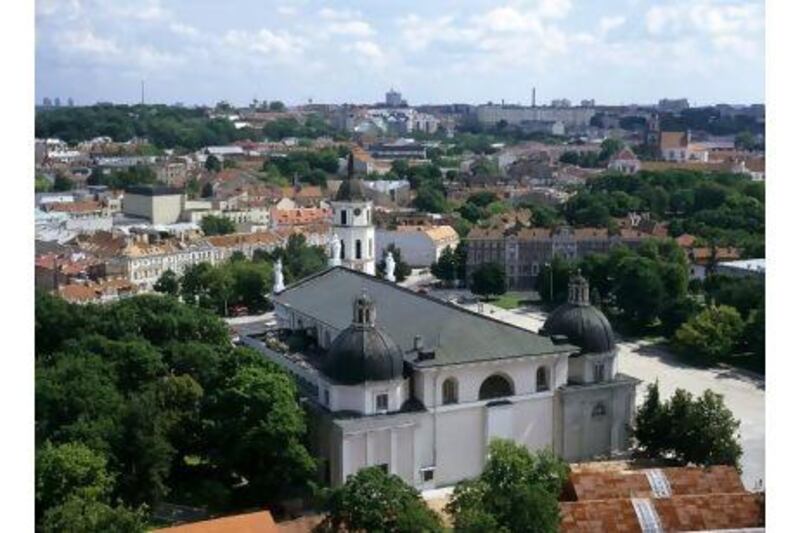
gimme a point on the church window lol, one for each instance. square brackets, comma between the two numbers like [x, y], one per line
[382, 402]
[449, 391]
[541, 379]
[599, 410]
[341, 248]
[495, 386]
[427, 474]
[343, 217]
[358, 248]
[599, 372]
[368, 217]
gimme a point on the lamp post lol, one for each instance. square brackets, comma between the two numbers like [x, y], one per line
[550, 271]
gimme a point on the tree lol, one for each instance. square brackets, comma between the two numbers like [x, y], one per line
[62, 183]
[517, 491]
[277, 105]
[489, 279]
[430, 199]
[639, 291]
[70, 469]
[446, 267]
[207, 191]
[213, 164]
[401, 269]
[372, 500]
[651, 424]
[698, 431]
[260, 431]
[214, 225]
[300, 259]
[80, 514]
[712, 334]
[552, 280]
[167, 283]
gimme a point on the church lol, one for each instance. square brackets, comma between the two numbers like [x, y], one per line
[420, 386]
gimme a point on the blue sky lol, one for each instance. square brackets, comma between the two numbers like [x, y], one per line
[435, 51]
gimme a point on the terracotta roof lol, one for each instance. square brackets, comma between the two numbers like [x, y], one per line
[704, 254]
[685, 240]
[485, 233]
[629, 234]
[590, 233]
[86, 206]
[602, 485]
[626, 154]
[436, 233]
[260, 522]
[236, 239]
[304, 524]
[534, 234]
[673, 139]
[77, 293]
[311, 191]
[299, 215]
[679, 513]
[755, 164]
[711, 511]
[711, 166]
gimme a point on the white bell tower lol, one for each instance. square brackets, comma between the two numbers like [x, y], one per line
[353, 225]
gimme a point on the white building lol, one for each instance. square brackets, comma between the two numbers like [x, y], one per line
[420, 387]
[625, 162]
[420, 246]
[158, 204]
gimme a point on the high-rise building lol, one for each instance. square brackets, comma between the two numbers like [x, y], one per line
[70, 102]
[46, 102]
[394, 99]
[57, 101]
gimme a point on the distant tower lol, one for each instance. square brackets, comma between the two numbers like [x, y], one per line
[352, 224]
[70, 102]
[57, 101]
[533, 97]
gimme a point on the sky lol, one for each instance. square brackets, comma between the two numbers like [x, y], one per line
[433, 51]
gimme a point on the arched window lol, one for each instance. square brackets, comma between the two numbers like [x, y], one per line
[358, 248]
[343, 217]
[327, 339]
[542, 383]
[599, 410]
[495, 386]
[341, 248]
[450, 391]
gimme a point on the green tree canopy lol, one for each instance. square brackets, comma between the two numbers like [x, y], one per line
[489, 279]
[516, 492]
[700, 431]
[167, 283]
[372, 500]
[712, 334]
[401, 269]
[214, 225]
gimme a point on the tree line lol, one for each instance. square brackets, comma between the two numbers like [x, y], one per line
[145, 401]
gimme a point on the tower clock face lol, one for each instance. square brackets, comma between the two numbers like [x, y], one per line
[357, 211]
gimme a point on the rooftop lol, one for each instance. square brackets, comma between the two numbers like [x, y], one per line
[455, 334]
[259, 522]
[153, 190]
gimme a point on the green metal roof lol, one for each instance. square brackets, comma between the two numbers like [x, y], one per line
[456, 335]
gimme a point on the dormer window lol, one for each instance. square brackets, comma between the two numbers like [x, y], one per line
[599, 372]
[343, 217]
[382, 403]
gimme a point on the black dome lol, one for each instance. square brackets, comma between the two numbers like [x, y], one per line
[363, 353]
[584, 325]
[351, 190]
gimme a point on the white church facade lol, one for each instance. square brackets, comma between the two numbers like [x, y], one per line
[420, 386]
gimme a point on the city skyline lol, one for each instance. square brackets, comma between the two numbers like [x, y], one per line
[621, 52]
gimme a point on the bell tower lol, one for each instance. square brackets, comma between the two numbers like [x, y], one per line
[353, 227]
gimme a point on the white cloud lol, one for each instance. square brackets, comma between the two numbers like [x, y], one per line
[610, 23]
[287, 10]
[356, 28]
[367, 53]
[183, 29]
[88, 42]
[265, 42]
[554, 8]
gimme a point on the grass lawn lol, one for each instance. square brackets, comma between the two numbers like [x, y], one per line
[510, 300]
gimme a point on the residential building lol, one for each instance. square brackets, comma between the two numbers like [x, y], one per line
[573, 118]
[705, 258]
[420, 387]
[299, 216]
[395, 99]
[678, 146]
[420, 246]
[246, 243]
[523, 252]
[625, 162]
[673, 106]
[157, 204]
[400, 149]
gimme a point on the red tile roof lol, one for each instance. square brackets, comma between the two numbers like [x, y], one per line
[260, 522]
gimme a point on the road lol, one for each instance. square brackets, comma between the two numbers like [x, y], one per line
[743, 391]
